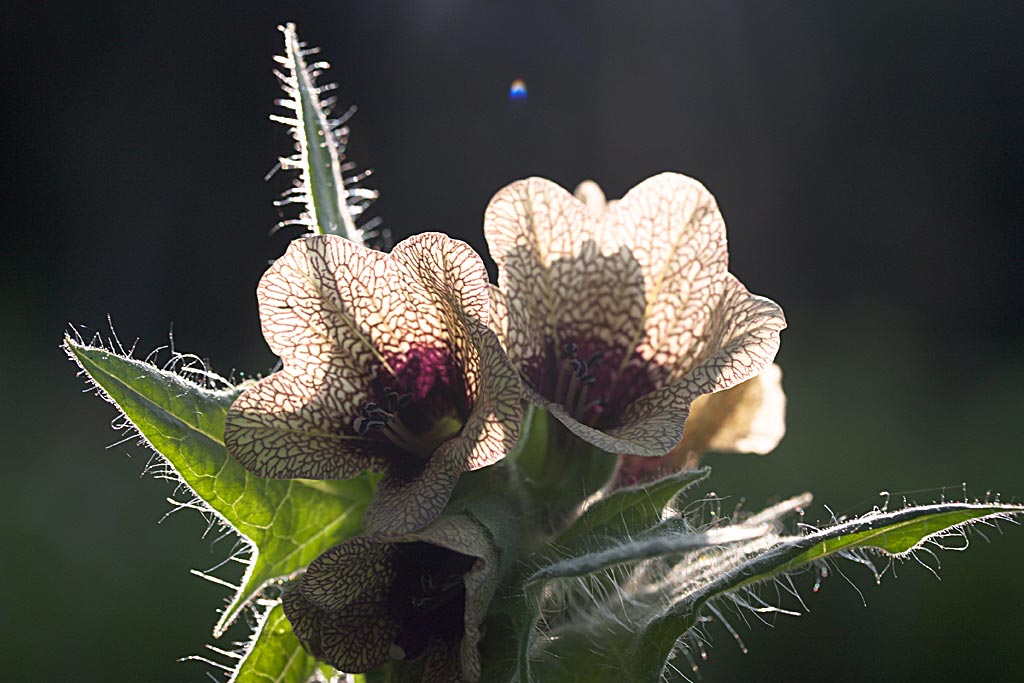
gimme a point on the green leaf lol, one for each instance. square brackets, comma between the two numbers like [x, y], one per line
[596, 563]
[331, 204]
[287, 523]
[635, 645]
[629, 510]
[276, 655]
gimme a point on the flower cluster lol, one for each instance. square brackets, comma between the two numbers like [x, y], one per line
[619, 319]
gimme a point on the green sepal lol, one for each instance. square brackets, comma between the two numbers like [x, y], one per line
[558, 471]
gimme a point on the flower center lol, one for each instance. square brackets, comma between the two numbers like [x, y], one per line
[417, 427]
[574, 382]
[431, 600]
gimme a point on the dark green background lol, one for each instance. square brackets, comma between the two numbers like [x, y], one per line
[867, 158]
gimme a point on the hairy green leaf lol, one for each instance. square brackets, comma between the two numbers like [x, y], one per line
[629, 552]
[276, 655]
[634, 643]
[330, 202]
[287, 523]
[629, 510]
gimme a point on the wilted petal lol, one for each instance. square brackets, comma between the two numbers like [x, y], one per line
[748, 418]
[742, 339]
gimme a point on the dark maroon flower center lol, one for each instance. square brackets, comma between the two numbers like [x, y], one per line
[589, 380]
[419, 403]
[574, 380]
[428, 598]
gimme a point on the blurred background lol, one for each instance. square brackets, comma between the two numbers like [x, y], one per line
[867, 157]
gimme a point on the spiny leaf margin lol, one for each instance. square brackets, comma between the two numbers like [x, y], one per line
[220, 485]
[641, 650]
[274, 654]
[331, 202]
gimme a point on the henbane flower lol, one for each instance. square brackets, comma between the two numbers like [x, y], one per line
[422, 594]
[388, 366]
[621, 315]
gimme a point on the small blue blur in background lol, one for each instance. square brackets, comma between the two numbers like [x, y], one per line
[517, 90]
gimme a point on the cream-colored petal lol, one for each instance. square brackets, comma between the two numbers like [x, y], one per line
[492, 427]
[321, 305]
[448, 275]
[442, 285]
[327, 302]
[748, 418]
[498, 321]
[565, 277]
[742, 340]
[347, 572]
[650, 433]
[676, 233]
[405, 502]
[592, 196]
[289, 427]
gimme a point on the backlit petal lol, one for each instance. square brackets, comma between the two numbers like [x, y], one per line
[321, 305]
[676, 233]
[565, 277]
[742, 340]
[748, 418]
[406, 501]
[442, 288]
[592, 196]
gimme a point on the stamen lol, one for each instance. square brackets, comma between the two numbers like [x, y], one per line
[416, 430]
[406, 440]
[597, 406]
[581, 402]
[570, 398]
[575, 378]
